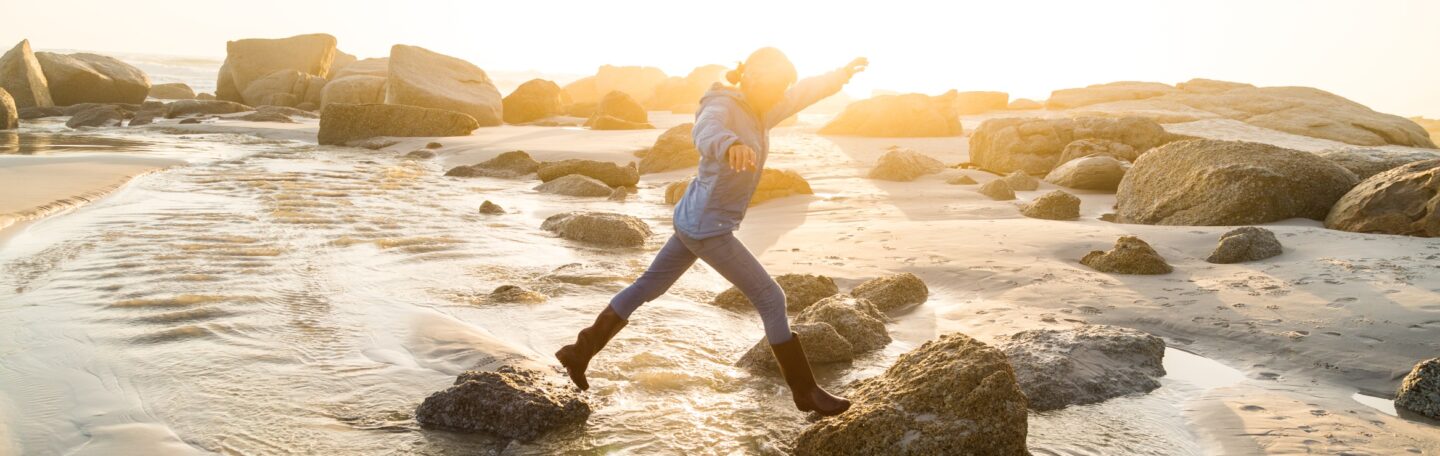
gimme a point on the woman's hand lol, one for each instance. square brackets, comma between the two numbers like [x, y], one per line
[741, 157]
[857, 65]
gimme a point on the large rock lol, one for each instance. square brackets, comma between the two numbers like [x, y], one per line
[534, 100]
[172, 91]
[1084, 365]
[774, 183]
[856, 319]
[98, 116]
[599, 228]
[575, 185]
[1055, 205]
[801, 291]
[1130, 256]
[908, 115]
[184, 108]
[377, 67]
[1419, 392]
[92, 78]
[622, 106]
[358, 89]
[510, 402]
[341, 123]
[1369, 162]
[1404, 200]
[1035, 145]
[610, 173]
[1109, 92]
[899, 164]
[284, 87]
[419, 77]
[509, 165]
[1210, 182]
[676, 91]
[952, 395]
[822, 345]
[1024, 104]
[638, 82]
[251, 59]
[9, 114]
[1243, 244]
[1095, 172]
[674, 149]
[22, 76]
[967, 103]
[893, 292]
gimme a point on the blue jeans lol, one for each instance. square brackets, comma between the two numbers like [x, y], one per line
[726, 255]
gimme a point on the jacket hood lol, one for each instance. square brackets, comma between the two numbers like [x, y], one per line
[719, 90]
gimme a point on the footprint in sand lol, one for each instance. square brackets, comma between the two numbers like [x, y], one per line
[1252, 408]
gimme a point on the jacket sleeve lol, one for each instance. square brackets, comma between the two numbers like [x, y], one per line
[805, 93]
[712, 134]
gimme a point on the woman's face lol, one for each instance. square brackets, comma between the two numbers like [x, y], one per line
[763, 89]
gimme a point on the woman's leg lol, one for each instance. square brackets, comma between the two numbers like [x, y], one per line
[671, 263]
[729, 257]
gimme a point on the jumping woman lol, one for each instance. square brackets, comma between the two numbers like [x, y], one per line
[732, 132]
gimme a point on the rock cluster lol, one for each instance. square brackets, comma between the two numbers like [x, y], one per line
[801, 290]
[1036, 146]
[295, 69]
[836, 328]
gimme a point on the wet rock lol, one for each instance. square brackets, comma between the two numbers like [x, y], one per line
[172, 91]
[490, 208]
[611, 174]
[774, 183]
[265, 117]
[372, 143]
[1130, 256]
[908, 115]
[904, 165]
[952, 395]
[9, 114]
[433, 145]
[590, 274]
[674, 149]
[961, 180]
[92, 78]
[893, 292]
[968, 103]
[1021, 182]
[534, 100]
[620, 194]
[1103, 147]
[1403, 200]
[1095, 172]
[822, 345]
[1209, 182]
[856, 319]
[998, 190]
[575, 185]
[358, 89]
[1419, 392]
[636, 81]
[1024, 104]
[189, 121]
[419, 77]
[248, 60]
[1369, 162]
[513, 403]
[76, 109]
[1245, 244]
[422, 154]
[344, 122]
[516, 294]
[1035, 145]
[509, 165]
[1084, 365]
[801, 291]
[600, 228]
[1055, 205]
[35, 112]
[144, 118]
[98, 116]
[22, 76]
[184, 108]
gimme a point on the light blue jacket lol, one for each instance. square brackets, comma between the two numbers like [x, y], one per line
[718, 197]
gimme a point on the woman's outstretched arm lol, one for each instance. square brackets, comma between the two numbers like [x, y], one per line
[712, 134]
[811, 90]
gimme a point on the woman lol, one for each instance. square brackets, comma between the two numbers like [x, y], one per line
[732, 133]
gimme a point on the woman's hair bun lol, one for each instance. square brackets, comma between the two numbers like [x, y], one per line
[734, 75]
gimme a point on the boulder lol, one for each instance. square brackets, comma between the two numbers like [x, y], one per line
[341, 122]
[172, 91]
[908, 115]
[76, 109]
[1087, 147]
[801, 291]
[516, 293]
[35, 112]
[509, 165]
[822, 343]
[9, 114]
[676, 91]
[1024, 104]
[967, 103]
[1419, 392]
[377, 67]
[599, 228]
[1245, 244]
[22, 76]
[893, 292]
[952, 395]
[575, 185]
[510, 402]
[285, 87]
[961, 180]
[1021, 182]
[638, 82]
[92, 78]
[605, 122]
[184, 108]
[489, 208]
[620, 105]
[1035, 145]
[998, 190]
[620, 194]
[204, 96]
[899, 164]
[1404, 201]
[144, 118]
[674, 149]
[611, 174]
[1095, 172]
[1369, 162]
[1130, 256]
[855, 319]
[251, 59]
[359, 89]
[419, 77]
[583, 109]
[534, 100]
[1057, 368]
[342, 60]
[774, 183]
[1210, 182]
[1109, 92]
[98, 116]
[1055, 205]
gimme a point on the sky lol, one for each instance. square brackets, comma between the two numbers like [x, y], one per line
[1376, 52]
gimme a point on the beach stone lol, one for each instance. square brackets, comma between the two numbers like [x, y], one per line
[1211, 182]
[907, 115]
[678, 91]
[1021, 182]
[801, 291]
[1369, 162]
[82, 107]
[1035, 145]
[822, 343]
[621, 106]
[774, 184]
[284, 87]
[22, 76]
[183, 108]
[600, 228]
[375, 143]
[172, 91]
[92, 78]
[534, 100]
[358, 89]
[144, 118]
[420, 77]
[893, 292]
[606, 122]
[998, 190]
[509, 165]
[36, 112]
[1403, 200]
[610, 173]
[952, 395]
[900, 164]
[189, 121]
[433, 145]
[98, 116]
[490, 208]
[1419, 392]
[1057, 368]
[510, 402]
[1024, 104]
[1055, 205]
[420, 154]
[961, 180]
[575, 185]
[516, 293]
[341, 122]
[204, 96]
[251, 59]
[1245, 244]
[1087, 147]
[968, 103]
[619, 195]
[856, 319]
[1130, 256]
[674, 149]
[271, 116]
[9, 114]
[1095, 172]
[377, 67]
[637, 81]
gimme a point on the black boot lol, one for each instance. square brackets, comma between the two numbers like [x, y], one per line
[809, 397]
[576, 357]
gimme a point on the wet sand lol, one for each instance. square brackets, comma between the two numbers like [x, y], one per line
[39, 186]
